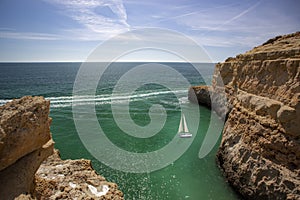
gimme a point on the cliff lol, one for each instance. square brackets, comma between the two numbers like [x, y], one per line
[260, 148]
[25, 170]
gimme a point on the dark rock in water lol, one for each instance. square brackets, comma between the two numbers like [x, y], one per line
[200, 94]
[215, 99]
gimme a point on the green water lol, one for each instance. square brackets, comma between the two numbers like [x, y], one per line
[188, 177]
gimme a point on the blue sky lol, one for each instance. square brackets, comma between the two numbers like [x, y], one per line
[68, 30]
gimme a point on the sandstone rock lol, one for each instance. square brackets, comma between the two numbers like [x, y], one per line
[25, 141]
[24, 128]
[200, 94]
[260, 148]
[19, 178]
[72, 179]
[258, 159]
[216, 99]
[25, 197]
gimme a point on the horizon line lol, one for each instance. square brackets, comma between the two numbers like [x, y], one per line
[125, 61]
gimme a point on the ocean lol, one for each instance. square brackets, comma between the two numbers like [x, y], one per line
[187, 177]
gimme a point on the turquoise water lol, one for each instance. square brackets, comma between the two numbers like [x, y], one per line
[186, 178]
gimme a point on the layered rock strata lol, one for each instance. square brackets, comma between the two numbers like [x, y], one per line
[25, 143]
[260, 148]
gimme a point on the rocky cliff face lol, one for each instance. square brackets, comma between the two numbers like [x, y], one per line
[260, 148]
[25, 142]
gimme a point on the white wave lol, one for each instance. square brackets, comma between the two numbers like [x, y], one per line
[68, 101]
[183, 100]
[4, 101]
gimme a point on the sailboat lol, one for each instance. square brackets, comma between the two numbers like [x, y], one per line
[183, 130]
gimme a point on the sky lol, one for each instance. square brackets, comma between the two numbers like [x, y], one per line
[69, 30]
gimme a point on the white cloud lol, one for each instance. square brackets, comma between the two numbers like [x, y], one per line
[96, 27]
[11, 34]
[224, 41]
[239, 26]
[217, 19]
[232, 24]
[84, 12]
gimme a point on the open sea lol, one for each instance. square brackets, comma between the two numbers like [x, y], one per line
[188, 177]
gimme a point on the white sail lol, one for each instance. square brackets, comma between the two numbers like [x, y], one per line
[185, 128]
[182, 125]
[180, 129]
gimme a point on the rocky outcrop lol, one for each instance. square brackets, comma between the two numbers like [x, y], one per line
[260, 148]
[24, 128]
[72, 179]
[200, 94]
[25, 142]
[213, 98]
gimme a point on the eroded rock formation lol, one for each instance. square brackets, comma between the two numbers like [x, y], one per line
[72, 179]
[260, 148]
[202, 95]
[25, 143]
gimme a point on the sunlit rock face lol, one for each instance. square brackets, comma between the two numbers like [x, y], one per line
[260, 148]
[30, 168]
[25, 141]
[72, 179]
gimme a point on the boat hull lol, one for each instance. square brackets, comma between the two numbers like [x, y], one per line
[185, 135]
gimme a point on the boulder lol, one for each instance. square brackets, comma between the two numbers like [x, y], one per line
[25, 142]
[24, 128]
